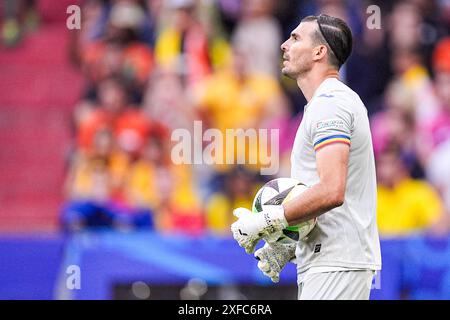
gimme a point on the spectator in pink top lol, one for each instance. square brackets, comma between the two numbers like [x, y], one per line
[437, 130]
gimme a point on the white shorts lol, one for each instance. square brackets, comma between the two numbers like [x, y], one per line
[336, 285]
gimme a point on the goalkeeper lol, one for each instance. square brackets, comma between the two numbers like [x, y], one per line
[333, 154]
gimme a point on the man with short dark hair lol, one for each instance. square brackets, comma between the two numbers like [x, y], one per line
[332, 154]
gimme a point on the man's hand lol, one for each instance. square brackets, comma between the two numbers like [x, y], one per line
[251, 227]
[273, 257]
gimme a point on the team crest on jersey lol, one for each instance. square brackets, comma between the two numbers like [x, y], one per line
[330, 124]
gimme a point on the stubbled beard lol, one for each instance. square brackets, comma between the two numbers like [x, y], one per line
[294, 75]
[290, 75]
[298, 73]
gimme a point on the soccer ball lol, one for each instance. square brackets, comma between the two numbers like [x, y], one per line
[277, 192]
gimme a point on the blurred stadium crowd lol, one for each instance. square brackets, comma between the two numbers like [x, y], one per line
[153, 66]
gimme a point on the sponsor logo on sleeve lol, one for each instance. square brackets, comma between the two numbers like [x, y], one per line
[330, 124]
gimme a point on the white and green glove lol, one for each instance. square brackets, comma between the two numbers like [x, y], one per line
[251, 227]
[273, 257]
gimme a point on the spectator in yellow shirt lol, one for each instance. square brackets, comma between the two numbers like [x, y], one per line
[405, 205]
[93, 185]
[183, 45]
[234, 98]
[168, 190]
[239, 190]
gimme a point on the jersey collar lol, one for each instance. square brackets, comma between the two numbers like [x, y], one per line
[323, 88]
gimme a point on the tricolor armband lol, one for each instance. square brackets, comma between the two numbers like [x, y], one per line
[339, 138]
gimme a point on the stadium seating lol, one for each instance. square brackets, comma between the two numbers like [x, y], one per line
[41, 88]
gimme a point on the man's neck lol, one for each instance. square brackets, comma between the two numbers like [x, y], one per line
[309, 83]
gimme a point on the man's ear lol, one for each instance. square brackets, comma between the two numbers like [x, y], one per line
[319, 52]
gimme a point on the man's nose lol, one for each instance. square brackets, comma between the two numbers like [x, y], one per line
[283, 46]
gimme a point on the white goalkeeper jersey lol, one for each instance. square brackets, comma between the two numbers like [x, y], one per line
[346, 237]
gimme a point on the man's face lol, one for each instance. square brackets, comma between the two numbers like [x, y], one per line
[298, 50]
[390, 169]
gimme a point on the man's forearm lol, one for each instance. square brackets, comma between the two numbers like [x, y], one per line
[312, 203]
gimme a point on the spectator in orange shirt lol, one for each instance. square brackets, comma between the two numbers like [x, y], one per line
[119, 51]
[129, 124]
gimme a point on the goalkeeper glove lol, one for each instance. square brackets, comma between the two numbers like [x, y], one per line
[251, 227]
[273, 257]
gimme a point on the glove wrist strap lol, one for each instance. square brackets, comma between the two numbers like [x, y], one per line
[275, 215]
